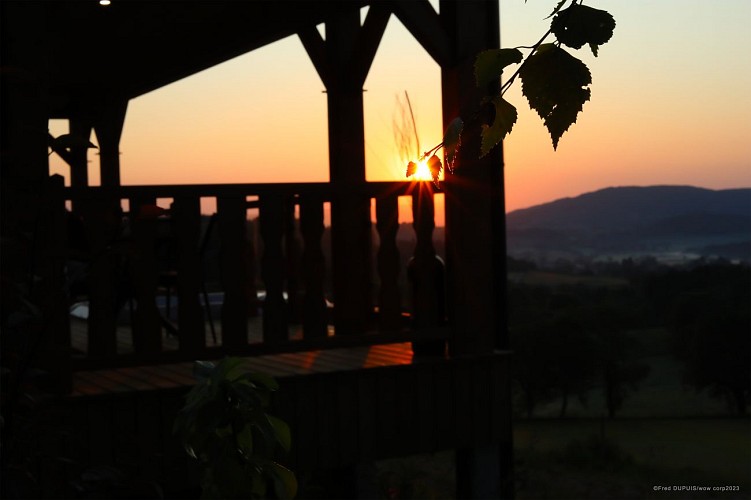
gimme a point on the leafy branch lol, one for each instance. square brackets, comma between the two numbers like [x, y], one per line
[555, 83]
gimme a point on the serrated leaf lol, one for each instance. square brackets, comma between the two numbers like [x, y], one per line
[489, 64]
[281, 431]
[69, 141]
[503, 122]
[245, 440]
[263, 380]
[411, 168]
[434, 164]
[557, 8]
[202, 369]
[285, 483]
[556, 85]
[581, 25]
[452, 139]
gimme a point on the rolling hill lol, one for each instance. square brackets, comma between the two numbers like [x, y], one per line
[664, 221]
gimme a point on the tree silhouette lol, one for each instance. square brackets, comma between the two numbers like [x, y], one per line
[711, 328]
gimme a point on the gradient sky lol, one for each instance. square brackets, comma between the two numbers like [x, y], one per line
[670, 105]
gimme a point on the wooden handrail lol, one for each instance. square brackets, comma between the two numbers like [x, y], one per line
[278, 235]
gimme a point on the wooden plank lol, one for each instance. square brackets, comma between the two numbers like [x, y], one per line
[408, 419]
[346, 390]
[328, 421]
[367, 393]
[124, 429]
[464, 418]
[306, 422]
[425, 397]
[481, 394]
[99, 436]
[387, 424]
[444, 406]
[149, 435]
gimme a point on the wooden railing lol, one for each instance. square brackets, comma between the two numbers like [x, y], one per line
[124, 265]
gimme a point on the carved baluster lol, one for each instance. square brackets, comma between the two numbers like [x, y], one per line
[102, 219]
[292, 251]
[426, 272]
[313, 267]
[186, 214]
[271, 218]
[387, 224]
[147, 328]
[231, 218]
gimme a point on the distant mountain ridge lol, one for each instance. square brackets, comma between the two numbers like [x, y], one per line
[618, 220]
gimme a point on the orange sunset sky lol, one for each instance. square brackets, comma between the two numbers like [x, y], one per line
[670, 105]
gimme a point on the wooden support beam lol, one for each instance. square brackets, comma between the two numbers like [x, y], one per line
[80, 126]
[426, 26]
[369, 40]
[109, 127]
[316, 48]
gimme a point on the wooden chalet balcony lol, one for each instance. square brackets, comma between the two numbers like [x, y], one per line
[349, 395]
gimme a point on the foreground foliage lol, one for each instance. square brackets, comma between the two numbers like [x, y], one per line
[224, 425]
[555, 83]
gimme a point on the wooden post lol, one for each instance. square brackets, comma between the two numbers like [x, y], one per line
[472, 201]
[109, 127]
[343, 61]
[80, 126]
[475, 232]
[350, 213]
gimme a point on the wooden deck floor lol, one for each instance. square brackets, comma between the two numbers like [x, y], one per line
[167, 376]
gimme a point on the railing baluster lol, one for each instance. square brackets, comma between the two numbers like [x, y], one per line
[389, 300]
[292, 253]
[147, 328]
[426, 272]
[231, 216]
[313, 267]
[271, 218]
[101, 219]
[186, 213]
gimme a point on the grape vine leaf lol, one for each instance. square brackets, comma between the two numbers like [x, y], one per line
[557, 8]
[452, 139]
[434, 164]
[503, 122]
[556, 85]
[490, 63]
[411, 168]
[579, 25]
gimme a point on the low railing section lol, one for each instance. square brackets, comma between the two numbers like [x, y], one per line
[123, 268]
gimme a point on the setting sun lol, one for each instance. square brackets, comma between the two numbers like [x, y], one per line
[423, 172]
